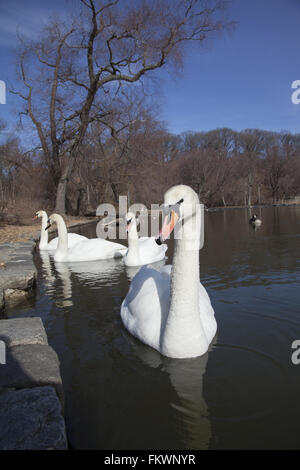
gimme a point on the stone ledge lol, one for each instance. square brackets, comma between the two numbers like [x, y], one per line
[31, 365]
[21, 331]
[31, 419]
[18, 271]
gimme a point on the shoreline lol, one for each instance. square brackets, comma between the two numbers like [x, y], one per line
[26, 233]
[31, 386]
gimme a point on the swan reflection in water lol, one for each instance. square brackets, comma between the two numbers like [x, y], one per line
[50, 280]
[65, 276]
[187, 378]
[186, 406]
[48, 274]
[93, 273]
[104, 272]
[131, 271]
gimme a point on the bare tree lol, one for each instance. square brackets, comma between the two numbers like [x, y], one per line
[129, 153]
[207, 163]
[279, 163]
[249, 148]
[73, 72]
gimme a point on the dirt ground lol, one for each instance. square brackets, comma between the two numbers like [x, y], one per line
[16, 233]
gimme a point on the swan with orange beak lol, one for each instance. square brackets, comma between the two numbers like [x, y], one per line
[169, 309]
[171, 217]
[73, 238]
[143, 250]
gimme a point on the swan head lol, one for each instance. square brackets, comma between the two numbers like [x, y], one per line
[39, 214]
[180, 204]
[130, 219]
[53, 219]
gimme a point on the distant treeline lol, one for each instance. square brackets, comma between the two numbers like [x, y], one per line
[225, 168]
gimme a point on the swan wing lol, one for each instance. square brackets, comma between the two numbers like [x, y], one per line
[207, 314]
[73, 239]
[150, 251]
[146, 306]
[95, 249]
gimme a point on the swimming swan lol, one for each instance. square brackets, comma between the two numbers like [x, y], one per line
[255, 221]
[73, 238]
[142, 250]
[86, 250]
[169, 309]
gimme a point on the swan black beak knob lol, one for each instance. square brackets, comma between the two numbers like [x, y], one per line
[158, 241]
[48, 226]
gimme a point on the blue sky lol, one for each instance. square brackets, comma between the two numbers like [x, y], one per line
[240, 80]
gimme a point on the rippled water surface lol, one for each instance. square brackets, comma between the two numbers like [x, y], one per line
[244, 393]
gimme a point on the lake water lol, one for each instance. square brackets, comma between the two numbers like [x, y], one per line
[244, 393]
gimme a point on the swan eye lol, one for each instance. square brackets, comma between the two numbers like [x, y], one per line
[172, 207]
[167, 210]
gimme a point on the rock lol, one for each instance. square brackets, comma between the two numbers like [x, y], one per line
[31, 419]
[20, 331]
[1, 299]
[14, 296]
[31, 365]
[19, 273]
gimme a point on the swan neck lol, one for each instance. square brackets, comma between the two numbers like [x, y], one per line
[185, 275]
[44, 232]
[133, 234]
[62, 246]
[133, 242]
[183, 332]
[185, 280]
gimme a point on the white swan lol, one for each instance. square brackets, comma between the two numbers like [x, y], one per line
[73, 238]
[142, 250]
[169, 309]
[86, 250]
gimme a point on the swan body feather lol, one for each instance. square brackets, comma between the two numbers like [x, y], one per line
[86, 250]
[73, 238]
[169, 309]
[143, 250]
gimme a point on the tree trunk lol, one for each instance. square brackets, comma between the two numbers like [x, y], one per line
[115, 191]
[60, 205]
[249, 196]
[79, 200]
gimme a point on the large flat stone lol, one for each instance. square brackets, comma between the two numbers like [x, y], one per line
[31, 419]
[19, 271]
[31, 365]
[1, 299]
[20, 331]
[20, 275]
